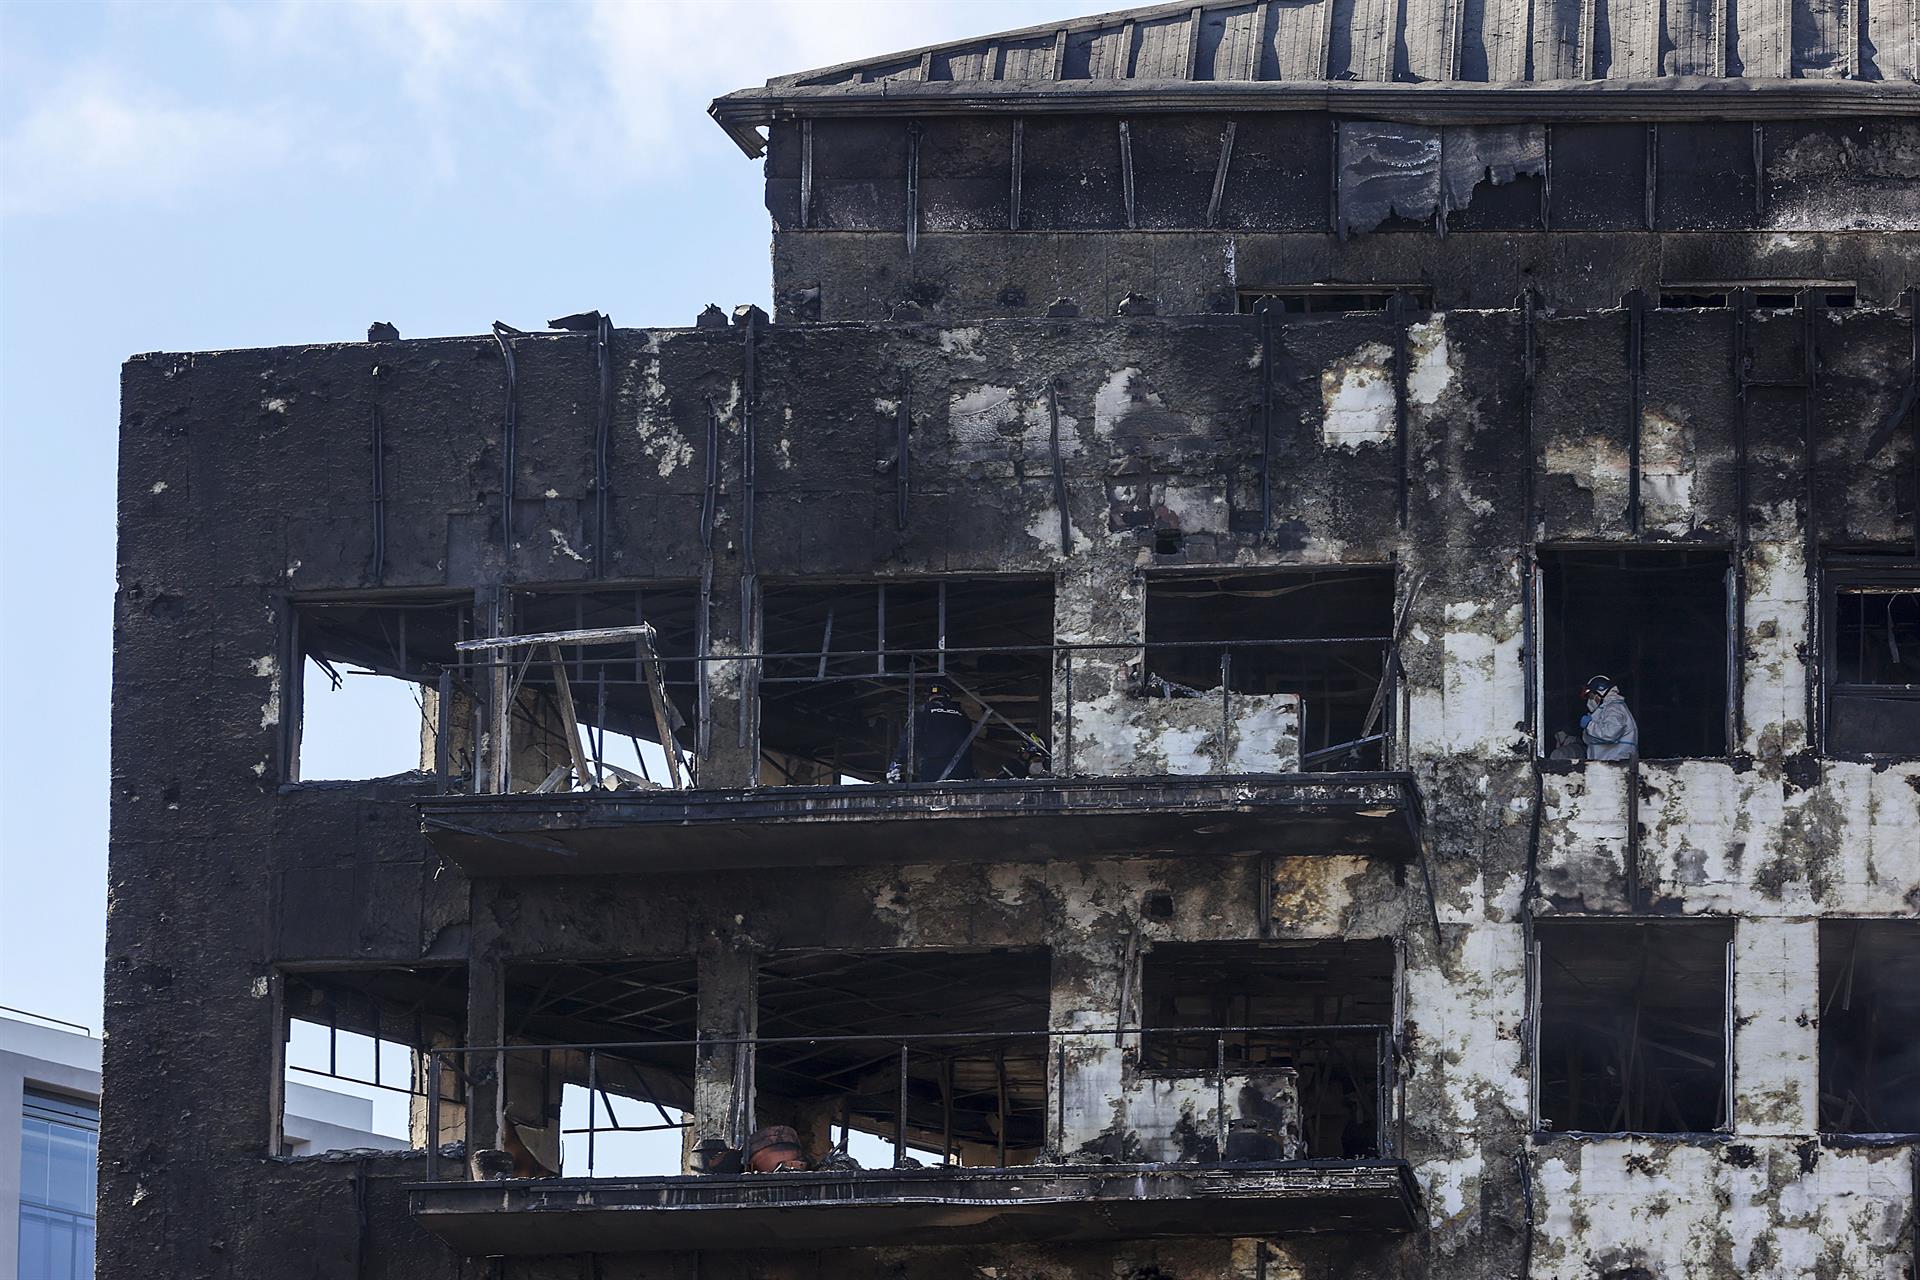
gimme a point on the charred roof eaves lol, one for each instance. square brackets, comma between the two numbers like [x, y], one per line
[743, 113]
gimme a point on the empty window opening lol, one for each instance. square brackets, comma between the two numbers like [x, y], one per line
[355, 1058]
[622, 703]
[966, 1031]
[1319, 299]
[850, 670]
[1316, 1015]
[1772, 296]
[1873, 660]
[1653, 621]
[1870, 1026]
[1320, 634]
[366, 699]
[599, 1068]
[1631, 1025]
[59, 1157]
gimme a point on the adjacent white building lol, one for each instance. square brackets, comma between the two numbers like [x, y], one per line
[50, 1138]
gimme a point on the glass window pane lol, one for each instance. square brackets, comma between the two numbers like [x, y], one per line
[69, 1169]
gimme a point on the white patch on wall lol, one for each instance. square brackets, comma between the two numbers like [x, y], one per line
[1123, 392]
[1430, 364]
[159, 486]
[274, 404]
[961, 344]
[1776, 1044]
[1357, 399]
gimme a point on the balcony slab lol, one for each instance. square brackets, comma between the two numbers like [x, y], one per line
[880, 1207]
[1028, 820]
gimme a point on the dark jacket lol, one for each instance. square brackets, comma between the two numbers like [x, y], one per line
[939, 729]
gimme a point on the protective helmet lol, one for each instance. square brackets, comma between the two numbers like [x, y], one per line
[1599, 687]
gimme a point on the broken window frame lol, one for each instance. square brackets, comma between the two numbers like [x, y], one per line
[1537, 663]
[1378, 298]
[1536, 1003]
[1840, 988]
[1384, 711]
[425, 1056]
[1246, 1034]
[908, 668]
[1893, 576]
[1768, 295]
[1019, 1038]
[450, 680]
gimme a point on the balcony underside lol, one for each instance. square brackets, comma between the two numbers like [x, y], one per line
[879, 1207]
[601, 833]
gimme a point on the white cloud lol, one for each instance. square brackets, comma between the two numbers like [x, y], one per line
[574, 94]
[95, 139]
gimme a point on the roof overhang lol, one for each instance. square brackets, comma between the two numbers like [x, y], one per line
[745, 112]
[879, 1207]
[1029, 820]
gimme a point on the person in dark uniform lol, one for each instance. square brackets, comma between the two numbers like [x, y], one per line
[941, 731]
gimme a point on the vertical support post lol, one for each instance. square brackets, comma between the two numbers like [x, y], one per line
[1265, 308]
[900, 1127]
[1220, 175]
[486, 1026]
[377, 428]
[1000, 1106]
[1808, 305]
[1397, 316]
[1013, 196]
[1059, 468]
[1742, 318]
[1220, 1096]
[806, 173]
[941, 606]
[1546, 182]
[433, 1115]
[1636, 305]
[503, 336]
[726, 1018]
[913, 186]
[602, 443]
[1067, 755]
[593, 1105]
[1126, 171]
[1653, 174]
[442, 733]
[1635, 891]
[1226, 710]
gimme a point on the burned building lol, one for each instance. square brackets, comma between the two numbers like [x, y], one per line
[1258, 421]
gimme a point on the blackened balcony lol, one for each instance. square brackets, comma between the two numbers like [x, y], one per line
[1035, 819]
[1038, 751]
[984, 1137]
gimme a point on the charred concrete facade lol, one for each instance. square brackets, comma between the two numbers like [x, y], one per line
[1295, 947]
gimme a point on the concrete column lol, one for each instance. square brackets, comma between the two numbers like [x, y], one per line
[486, 1025]
[1776, 1039]
[1085, 1072]
[729, 1010]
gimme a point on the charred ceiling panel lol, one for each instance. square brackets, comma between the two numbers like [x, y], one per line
[1408, 171]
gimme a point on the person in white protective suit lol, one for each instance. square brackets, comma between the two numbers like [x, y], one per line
[1608, 727]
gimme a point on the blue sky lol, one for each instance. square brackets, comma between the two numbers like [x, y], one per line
[200, 176]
